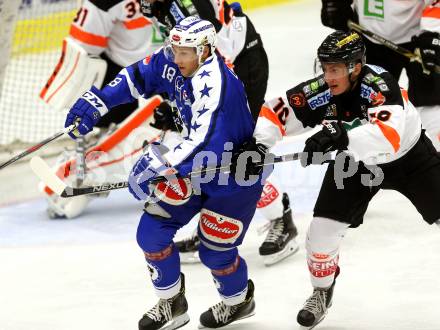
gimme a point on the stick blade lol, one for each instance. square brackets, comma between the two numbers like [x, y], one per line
[45, 173]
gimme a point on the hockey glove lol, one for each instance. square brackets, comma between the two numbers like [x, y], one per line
[175, 191]
[333, 136]
[87, 110]
[429, 46]
[336, 13]
[254, 150]
[164, 118]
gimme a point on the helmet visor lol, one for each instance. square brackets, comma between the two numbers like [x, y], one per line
[331, 70]
[174, 52]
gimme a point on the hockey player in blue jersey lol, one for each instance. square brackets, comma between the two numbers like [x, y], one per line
[215, 121]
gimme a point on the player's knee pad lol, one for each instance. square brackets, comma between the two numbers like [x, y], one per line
[322, 244]
[152, 234]
[214, 259]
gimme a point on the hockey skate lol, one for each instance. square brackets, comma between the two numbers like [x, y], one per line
[280, 240]
[189, 249]
[221, 314]
[167, 314]
[316, 306]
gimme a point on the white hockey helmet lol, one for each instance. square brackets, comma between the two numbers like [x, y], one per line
[194, 32]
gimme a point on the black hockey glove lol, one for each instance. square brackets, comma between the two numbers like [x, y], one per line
[429, 45]
[164, 118]
[333, 136]
[336, 13]
[249, 167]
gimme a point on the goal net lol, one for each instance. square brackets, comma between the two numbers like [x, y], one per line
[34, 30]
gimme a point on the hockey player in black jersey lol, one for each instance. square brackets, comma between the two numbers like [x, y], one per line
[242, 48]
[377, 132]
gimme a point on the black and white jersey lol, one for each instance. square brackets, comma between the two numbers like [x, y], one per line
[382, 124]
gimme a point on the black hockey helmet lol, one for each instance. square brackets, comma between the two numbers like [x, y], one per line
[342, 47]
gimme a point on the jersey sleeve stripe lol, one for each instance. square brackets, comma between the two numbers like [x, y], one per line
[433, 12]
[137, 23]
[87, 37]
[133, 91]
[404, 94]
[390, 134]
[272, 117]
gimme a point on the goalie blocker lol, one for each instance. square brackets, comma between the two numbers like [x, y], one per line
[75, 72]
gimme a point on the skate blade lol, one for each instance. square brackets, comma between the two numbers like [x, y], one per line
[201, 326]
[176, 323]
[189, 257]
[313, 326]
[291, 248]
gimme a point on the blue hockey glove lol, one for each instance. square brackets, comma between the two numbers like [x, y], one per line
[88, 109]
[175, 191]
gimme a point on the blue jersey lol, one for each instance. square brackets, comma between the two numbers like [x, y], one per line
[212, 106]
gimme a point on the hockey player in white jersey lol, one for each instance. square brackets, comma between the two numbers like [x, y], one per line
[214, 117]
[242, 48]
[414, 25]
[104, 37]
[377, 132]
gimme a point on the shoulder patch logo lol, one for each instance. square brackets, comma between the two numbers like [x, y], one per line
[297, 100]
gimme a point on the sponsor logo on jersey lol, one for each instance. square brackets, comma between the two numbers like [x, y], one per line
[331, 111]
[376, 68]
[297, 100]
[314, 86]
[252, 44]
[269, 194]
[378, 99]
[176, 12]
[383, 87]
[307, 90]
[367, 92]
[174, 191]
[320, 99]
[237, 26]
[219, 228]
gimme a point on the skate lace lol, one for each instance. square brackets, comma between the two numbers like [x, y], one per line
[222, 312]
[275, 230]
[316, 304]
[161, 309]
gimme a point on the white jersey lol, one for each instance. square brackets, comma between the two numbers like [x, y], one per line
[382, 125]
[117, 28]
[398, 20]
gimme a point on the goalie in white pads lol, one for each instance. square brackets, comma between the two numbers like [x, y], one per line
[104, 37]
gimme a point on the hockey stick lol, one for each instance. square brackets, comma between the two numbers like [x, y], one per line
[38, 146]
[402, 51]
[45, 173]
